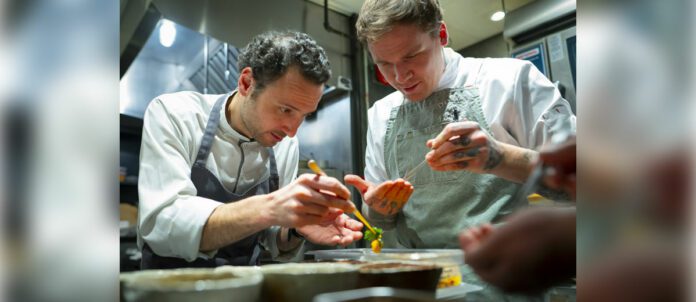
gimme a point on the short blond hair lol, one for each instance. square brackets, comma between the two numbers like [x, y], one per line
[377, 17]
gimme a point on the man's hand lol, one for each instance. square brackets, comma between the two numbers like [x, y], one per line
[560, 161]
[533, 250]
[310, 199]
[387, 198]
[464, 146]
[341, 231]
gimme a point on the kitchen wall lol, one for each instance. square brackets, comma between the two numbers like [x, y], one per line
[493, 47]
[337, 47]
[326, 137]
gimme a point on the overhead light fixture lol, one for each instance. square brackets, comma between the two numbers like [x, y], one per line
[167, 33]
[499, 15]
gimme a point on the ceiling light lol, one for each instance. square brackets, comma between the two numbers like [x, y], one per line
[167, 33]
[497, 16]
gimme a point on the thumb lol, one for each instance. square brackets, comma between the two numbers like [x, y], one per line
[356, 181]
[430, 143]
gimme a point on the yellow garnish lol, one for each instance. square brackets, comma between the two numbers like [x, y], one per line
[449, 281]
[535, 197]
[377, 245]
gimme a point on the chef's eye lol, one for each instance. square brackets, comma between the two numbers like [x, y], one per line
[285, 110]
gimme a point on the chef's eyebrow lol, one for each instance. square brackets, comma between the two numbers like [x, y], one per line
[410, 53]
[289, 106]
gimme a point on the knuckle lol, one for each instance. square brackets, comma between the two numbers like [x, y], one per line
[303, 179]
[295, 206]
[479, 138]
[303, 194]
[334, 185]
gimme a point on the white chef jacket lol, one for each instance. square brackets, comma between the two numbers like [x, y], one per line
[518, 103]
[171, 217]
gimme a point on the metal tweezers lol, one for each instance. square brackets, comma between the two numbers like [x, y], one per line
[520, 196]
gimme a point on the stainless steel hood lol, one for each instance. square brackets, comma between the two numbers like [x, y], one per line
[233, 21]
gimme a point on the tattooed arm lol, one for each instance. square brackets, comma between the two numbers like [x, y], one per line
[464, 146]
[511, 162]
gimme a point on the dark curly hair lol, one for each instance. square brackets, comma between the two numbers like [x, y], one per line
[270, 54]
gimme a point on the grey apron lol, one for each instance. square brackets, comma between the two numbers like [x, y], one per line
[443, 203]
[243, 252]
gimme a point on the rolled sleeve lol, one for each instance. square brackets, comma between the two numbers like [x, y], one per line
[177, 229]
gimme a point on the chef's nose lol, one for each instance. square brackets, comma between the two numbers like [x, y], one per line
[401, 73]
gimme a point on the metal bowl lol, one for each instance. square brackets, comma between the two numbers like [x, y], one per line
[303, 281]
[191, 284]
[400, 274]
[448, 259]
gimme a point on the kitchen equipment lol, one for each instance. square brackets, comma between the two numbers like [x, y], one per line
[520, 196]
[413, 171]
[381, 294]
[448, 259]
[191, 284]
[303, 281]
[400, 274]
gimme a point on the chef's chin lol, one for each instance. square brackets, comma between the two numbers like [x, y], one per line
[267, 140]
[267, 143]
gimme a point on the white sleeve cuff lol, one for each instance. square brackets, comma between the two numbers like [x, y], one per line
[178, 228]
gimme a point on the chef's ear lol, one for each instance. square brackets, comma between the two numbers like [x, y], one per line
[245, 84]
[444, 36]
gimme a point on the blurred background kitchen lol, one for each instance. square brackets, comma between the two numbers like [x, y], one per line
[72, 81]
[169, 46]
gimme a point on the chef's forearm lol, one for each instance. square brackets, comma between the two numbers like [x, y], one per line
[232, 222]
[512, 162]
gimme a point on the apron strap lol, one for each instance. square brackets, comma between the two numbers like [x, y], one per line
[204, 152]
[273, 183]
[254, 260]
[274, 179]
[209, 134]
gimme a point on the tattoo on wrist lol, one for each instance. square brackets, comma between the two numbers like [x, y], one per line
[495, 157]
[462, 141]
[392, 206]
[527, 156]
